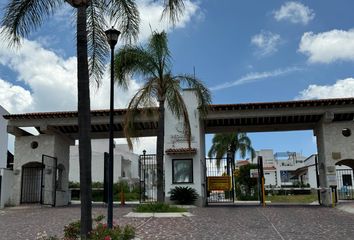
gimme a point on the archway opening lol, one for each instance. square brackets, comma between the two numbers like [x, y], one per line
[31, 182]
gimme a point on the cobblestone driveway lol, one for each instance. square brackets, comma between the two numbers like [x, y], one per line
[239, 222]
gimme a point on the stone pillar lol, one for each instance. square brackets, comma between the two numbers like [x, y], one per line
[332, 147]
[29, 149]
[175, 140]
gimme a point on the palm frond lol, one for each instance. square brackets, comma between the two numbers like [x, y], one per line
[98, 48]
[158, 49]
[125, 13]
[177, 106]
[202, 93]
[131, 60]
[143, 98]
[23, 16]
[173, 9]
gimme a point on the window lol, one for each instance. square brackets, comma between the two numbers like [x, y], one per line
[347, 180]
[182, 171]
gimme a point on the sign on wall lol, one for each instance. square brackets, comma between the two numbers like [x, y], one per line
[222, 183]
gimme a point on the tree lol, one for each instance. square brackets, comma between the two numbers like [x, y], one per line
[23, 16]
[232, 142]
[153, 62]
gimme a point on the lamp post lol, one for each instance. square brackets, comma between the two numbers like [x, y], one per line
[112, 38]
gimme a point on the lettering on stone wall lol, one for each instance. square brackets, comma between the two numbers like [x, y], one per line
[176, 138]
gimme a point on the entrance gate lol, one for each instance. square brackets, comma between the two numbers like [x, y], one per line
[31, 183]
[48, 179]
[220, 180]
[345, 184]
[148, 177]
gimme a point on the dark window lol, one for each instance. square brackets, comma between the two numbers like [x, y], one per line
[347, 179]
[182, 171]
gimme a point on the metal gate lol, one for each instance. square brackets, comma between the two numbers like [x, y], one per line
[220, 170]
[148, 177]
[345, 184]
[31, 183]
[48, 179]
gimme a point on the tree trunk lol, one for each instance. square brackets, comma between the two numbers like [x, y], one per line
[160, 152]
[84, 123]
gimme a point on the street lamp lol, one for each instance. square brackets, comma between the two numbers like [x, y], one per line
[112, 38]
[78, 3]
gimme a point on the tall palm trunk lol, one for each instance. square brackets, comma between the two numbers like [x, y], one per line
[160, 152]
[84, 121]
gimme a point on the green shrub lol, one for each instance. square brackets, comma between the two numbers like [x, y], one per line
[72, 231]
[158, 207]
[183, 195]
[100, 231]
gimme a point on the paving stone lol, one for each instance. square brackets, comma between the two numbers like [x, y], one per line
[226, 222]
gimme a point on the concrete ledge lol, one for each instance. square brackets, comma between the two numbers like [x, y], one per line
[159, 215]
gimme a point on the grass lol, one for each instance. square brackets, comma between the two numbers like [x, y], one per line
[308, 198]
[158, 208]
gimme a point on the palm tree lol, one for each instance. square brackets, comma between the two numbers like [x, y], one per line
[23, 16]
[153, 62]
[223, 143]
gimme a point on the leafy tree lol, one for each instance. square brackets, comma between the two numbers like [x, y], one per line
[245, 184]
[233, 142]
[153, 62]
[23, 16]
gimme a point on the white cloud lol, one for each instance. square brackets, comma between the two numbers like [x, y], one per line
[266, 42]
[14, 98]
[52, 82]
[341, 89]
[255, 76]
[151, 12]
[328, 46]
[294, 12]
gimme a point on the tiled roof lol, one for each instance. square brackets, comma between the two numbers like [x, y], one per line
[284, 104]
[173, 151]
[67, 114]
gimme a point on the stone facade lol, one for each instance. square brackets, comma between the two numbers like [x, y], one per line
[175, 139]
[333, 147]
[26, 153]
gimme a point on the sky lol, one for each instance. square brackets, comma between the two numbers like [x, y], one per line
[244, 51]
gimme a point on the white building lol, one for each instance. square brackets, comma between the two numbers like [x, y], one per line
[6, 176]
[126, 163]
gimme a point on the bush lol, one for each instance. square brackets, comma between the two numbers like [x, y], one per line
[100, 231]
[158, 207]
[183, 195]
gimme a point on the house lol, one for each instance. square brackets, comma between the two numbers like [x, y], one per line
[126, 163]
[6, 173]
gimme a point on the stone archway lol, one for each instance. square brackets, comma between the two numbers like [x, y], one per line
[346, 162]
[31, 182]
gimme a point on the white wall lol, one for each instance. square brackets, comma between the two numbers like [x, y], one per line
[122, 155]
[51, 145]
[6, 188]
[172, 133]
[3, 138]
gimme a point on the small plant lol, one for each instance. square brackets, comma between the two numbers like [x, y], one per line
[158, 207]
[72, 231]
[183, 195]
[100, 231]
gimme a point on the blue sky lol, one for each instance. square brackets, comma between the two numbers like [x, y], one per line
[244, 51]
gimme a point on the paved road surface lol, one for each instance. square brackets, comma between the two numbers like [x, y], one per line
[236, 222]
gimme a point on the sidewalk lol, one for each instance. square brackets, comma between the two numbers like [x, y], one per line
[346, 206]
